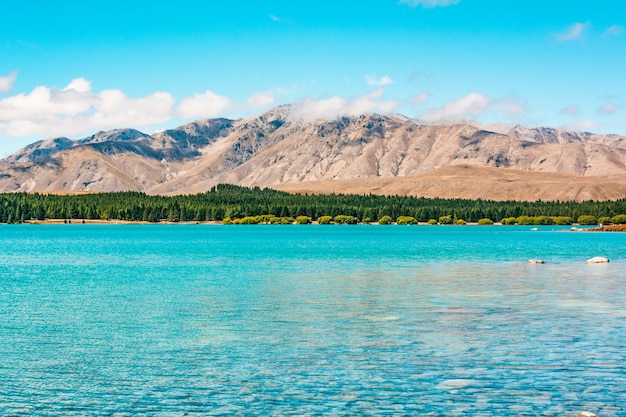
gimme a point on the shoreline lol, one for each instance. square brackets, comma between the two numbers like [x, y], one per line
[104, 222]
[609, 228]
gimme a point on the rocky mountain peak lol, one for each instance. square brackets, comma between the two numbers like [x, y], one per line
[115, 135]
[273, 148]
[282, 112]
[40, 149]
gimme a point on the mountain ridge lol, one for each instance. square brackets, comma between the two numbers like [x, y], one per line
[274, 149]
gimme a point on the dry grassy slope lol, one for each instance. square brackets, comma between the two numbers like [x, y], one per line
[381, 154]
[471, 182]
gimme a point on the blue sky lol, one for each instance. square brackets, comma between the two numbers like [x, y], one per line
[67, 69]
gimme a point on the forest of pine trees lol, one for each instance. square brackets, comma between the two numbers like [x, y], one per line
[234, 202]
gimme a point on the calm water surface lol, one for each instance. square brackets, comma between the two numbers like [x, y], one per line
[310, 320]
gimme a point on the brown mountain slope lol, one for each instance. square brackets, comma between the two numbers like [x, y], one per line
[84, 169]
[371, 153]
[472, 182]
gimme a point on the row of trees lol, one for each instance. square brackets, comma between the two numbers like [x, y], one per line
[407, 220]
[233, 202]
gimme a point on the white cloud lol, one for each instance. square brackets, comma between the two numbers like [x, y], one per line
[608, 109]
[511, 107]
[575, 31]
[419, 99]
[382, 81]
[334, 107]
[80, 85]
[430, 3]
[278, 19]
[75, 109]
[114, 108]
[571, 110]
[210, 104]
[585, 125]
[471, 105]
[205, 105]
[261, 99]
[285, 91]
[614, 30]
[6, 82]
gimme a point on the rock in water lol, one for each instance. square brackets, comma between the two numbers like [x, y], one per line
[598, 260]
[536, 261]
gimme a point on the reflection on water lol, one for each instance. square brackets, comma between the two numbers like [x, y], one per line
[223, 321]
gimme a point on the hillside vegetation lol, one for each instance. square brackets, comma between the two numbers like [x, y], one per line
[235, 202]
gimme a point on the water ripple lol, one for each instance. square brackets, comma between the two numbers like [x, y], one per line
[189, 321]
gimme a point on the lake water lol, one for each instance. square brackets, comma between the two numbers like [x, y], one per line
[173, 320]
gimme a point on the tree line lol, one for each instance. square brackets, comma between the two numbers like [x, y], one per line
[235, 202]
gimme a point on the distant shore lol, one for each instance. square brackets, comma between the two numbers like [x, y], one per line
[112, 221]
[116, 221]
[607, 228]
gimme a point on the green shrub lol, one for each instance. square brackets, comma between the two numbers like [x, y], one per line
[509, 220]
[619, 219]
[460, 222]
[525, 220]
[587, 220]
[543, 220]
[247, 220]
[563, 220]
[303, 220]
[343, 219]
[485, 222]
[286, 220]
[432, 222]
[227, 220]
[324, 220]
[445, 220]
[266, 218]
[274, 220]
[385, 220]
[605, 220]
[406, 220]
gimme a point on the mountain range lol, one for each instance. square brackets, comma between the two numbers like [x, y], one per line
[380, 154]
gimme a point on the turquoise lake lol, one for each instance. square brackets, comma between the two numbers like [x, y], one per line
[185, 320]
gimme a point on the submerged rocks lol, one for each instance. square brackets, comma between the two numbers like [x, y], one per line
[594, 260]
[598, 260]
